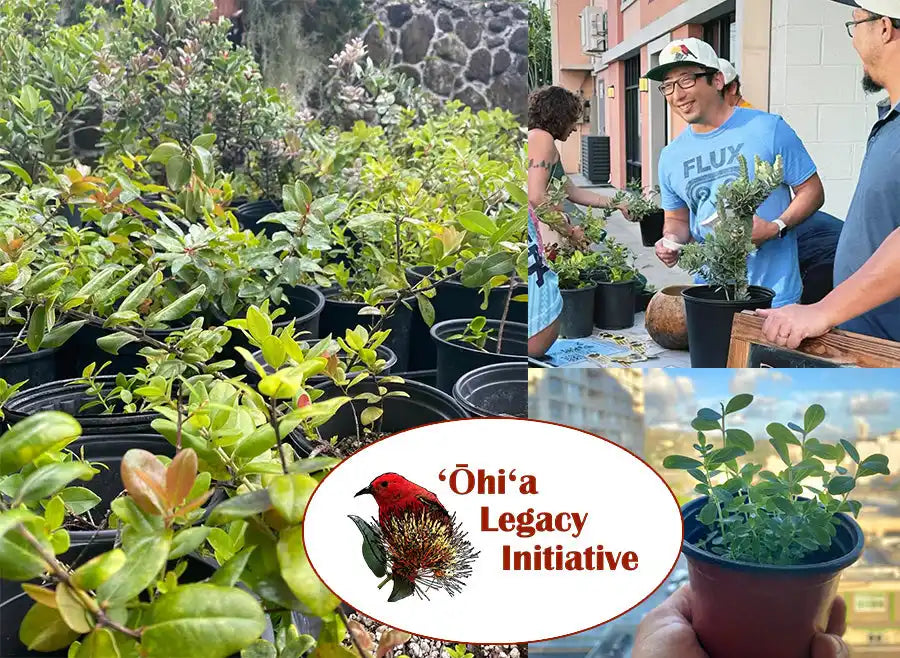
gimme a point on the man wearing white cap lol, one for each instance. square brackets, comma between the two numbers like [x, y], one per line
[732, 85]
[866, 297]
[703, 157]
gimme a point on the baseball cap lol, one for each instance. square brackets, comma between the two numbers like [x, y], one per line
[684, 51]
[728, 70]
[889, 8]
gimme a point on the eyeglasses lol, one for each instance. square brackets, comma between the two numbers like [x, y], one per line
[685, 82]
[852, 24]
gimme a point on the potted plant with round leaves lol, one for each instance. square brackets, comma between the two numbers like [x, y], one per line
[766, 546]
[574, 270]
[721, 260]
[617, 278]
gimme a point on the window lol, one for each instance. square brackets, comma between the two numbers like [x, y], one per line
[870, 602]
[875, 638]
[721, 35]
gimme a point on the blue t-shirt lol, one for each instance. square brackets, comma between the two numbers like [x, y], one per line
[692, 168]
[873, 215]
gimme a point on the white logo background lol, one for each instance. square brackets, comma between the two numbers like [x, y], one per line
[629, 508]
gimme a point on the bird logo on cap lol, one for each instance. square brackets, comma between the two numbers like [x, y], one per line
[680, 51]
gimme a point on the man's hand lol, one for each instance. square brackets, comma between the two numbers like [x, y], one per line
[668, 256]
[789, 325]
[667, 632]
[763, 231]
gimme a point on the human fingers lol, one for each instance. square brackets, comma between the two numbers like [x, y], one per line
[829, 646]
[837, 617]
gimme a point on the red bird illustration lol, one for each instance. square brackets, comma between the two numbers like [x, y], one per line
[686, 50]
[396, 495]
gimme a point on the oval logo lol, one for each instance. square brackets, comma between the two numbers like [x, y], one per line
[493, 531]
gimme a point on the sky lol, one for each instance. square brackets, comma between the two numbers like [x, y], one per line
[854, 399]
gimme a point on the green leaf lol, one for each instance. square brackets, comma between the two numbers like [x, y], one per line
[18, 559]
[260, 649]
[851, 450]
[718, 457]
[781, 448]
[273, 351]
[372, 548]
[402, 588]
[782, 433]
[79, 500]
[187, 540]
[136, 297]
[164, 152]
[49, 479]
[840, 485]
[299, 575]
[37, 434]
[240, 507]
[71, 609]
[61, 333]
[704, 425]
[100, 643]
[680, 462]
[17, 170]
[98, 282]
[370, 415]
[45, 278]
[874, 464]
[258, 324]
[516, 194]
[477, 222]
[708, 514]
[98, 570]
[738, 402]
[9, 272]
[206, 140]
[813, 417]
[180, 307]
[43, 629]
[37, 326]
[426, 309]
[202, 621]
[204, 160]
[739, 439]
[55, 512]
[178, 172]
[230, 573]
[145, 557]
[290, 494]
[112, 343]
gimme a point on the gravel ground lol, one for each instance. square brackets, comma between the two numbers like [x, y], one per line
[420, 647]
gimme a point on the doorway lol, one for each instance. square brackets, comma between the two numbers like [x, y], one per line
[632, 119]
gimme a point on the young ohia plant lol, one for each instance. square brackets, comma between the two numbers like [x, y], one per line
[765, 517]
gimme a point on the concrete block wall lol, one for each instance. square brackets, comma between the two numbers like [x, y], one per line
[816, 86]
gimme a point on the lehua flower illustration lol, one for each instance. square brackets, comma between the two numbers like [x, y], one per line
[416, 542]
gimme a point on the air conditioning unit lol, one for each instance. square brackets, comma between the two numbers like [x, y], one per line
[593, 30]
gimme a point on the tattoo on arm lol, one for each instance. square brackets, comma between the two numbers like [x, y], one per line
[537, 165]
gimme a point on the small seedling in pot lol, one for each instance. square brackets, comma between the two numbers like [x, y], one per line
[475, 334]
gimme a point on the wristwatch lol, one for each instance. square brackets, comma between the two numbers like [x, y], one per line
[782, 227]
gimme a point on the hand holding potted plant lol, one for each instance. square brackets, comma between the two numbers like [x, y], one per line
[721, 259]
[766, 547]
[639, 204]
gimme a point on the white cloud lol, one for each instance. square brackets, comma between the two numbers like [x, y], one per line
[745, 379]
[872, 403]
[667, 399]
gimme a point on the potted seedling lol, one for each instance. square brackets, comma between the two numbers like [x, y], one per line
[574, 270]
[616, 278]
[721, 260]
[641, 205]
[766, 544]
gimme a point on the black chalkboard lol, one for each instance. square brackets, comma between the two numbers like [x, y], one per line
[764, 356]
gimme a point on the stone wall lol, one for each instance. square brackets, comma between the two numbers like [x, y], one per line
[472, 50]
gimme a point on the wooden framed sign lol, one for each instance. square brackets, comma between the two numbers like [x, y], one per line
[836, 349]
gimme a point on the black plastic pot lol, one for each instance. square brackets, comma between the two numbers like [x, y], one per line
[652, 228]
[614, 304]
[500, 389]
[709, 319]
[382, 352]
[744, 610]
[81, 350]
[424, 405]
[64, 396]
[642, 298]
[304, 305]
[23, 364]
[427, 377]
[453, 300]
[577, 318]
[455, 358]
[339, 315]
[249, 214]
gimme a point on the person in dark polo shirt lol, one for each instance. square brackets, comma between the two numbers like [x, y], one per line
[866, 297]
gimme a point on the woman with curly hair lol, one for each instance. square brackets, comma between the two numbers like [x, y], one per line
[553, 114]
